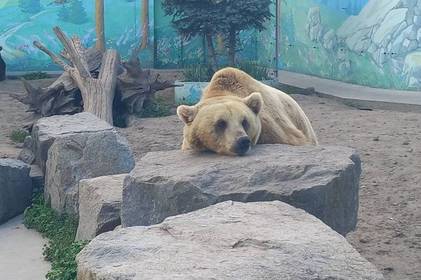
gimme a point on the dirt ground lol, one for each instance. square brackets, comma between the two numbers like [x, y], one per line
[389, 142]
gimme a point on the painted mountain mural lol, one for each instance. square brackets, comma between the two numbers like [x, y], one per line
[375, 43]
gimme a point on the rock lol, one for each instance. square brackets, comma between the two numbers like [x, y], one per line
[409, 3]
[46, 130]
[76, 156]
[409, 45]
[37, 178]
[99, 205]
[386, 29]
[230, 240]
[324, 181]
[410, 33]
[370, 16]
[26, 154]
[314, 24]
[380, 56]
[389, 25]
[412, 69]
[344, 67]
[417, 21]
[354, 41]
[15, 188]
[410, 16]
[329, 40]
[417, 9]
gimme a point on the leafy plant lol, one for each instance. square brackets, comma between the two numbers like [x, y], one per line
[35, 76]
[18, 135]
[155, 108]
[255, 70]
[226, 17]
[235, 16]
[198, 73]
[60, 230]
[195, 17]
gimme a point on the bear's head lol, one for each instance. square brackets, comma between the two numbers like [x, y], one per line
[226, 125]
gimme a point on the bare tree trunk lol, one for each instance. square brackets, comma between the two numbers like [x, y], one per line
[232, 45]
[211, 52]
[145, 24]
[100, 28]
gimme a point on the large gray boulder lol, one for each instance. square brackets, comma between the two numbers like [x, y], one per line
[83, 155]
[99, 205]
[15, 188]
[230, 240]
[46, 130]
[324, 181]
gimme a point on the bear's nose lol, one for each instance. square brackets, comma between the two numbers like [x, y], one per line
[243, 145]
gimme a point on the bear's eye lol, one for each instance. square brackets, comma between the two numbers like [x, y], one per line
[221, 125]
[245, 124]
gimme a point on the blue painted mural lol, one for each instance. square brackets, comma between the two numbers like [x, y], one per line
[23, 21]
[369, 42]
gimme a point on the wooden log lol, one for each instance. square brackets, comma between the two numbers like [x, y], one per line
[137, 86]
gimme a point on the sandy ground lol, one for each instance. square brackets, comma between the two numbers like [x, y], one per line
[21, 252]
[389, 142]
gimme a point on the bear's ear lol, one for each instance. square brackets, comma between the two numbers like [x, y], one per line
[187, 113]
[255, 102]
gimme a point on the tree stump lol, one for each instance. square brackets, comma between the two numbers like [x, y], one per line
[97, 93]
[95, 82]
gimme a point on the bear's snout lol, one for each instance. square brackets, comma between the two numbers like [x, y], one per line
[242, 145]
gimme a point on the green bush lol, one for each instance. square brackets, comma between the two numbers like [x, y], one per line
[61, 249]
[18, 135]
[155, 108]
[35, 76]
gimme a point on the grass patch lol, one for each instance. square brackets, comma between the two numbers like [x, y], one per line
[19, 135]
[35, 76]
[61, 249]
[155, 108]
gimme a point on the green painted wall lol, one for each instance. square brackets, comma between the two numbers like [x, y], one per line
[375, 43]
[20, 25]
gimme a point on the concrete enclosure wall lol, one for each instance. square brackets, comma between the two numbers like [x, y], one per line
[376, 43]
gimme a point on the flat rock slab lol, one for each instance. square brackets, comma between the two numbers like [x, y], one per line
[99, 205]
[15, 188]
[230, 240]
[46, 130]
[324, 181]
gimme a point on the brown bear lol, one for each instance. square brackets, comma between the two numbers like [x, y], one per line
[237, 112]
